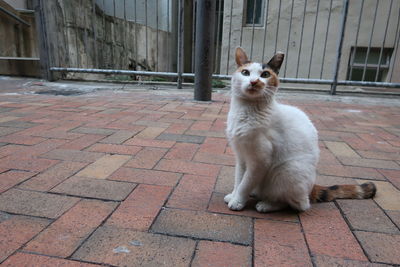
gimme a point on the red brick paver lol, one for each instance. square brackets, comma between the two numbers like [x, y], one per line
[138, 179]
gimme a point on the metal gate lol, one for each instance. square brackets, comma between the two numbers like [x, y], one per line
[330, 42]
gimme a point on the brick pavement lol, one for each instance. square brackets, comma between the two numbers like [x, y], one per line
[137, 178]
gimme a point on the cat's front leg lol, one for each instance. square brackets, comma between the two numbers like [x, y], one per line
[239, 172]
[252, 177]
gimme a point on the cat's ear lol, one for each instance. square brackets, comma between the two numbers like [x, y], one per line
[241, 57]
[276, 62]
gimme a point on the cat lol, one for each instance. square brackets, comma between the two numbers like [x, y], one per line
[275, 145]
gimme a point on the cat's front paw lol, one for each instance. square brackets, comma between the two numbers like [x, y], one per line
[228, 198]
[235, 204]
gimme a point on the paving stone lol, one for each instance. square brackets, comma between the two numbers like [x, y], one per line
[53, 176]
[220, 254]
[150, 132]
[18, 124]
[115, 149]
[104, 167]
[327, 261]
[16, 230]
[119, 137]
[125, 247]
[135, 141]
[201, 126]
[192, 192]
[35, 203]
[11, 178]
[379, 155]
[141, 207]
[194, 139]
[177, 128]
[204, 225]
[341, 149]
[87, 130]
[145, 176]
[188, 167]
[214, 145]
[393, 176]
[59, 134]
[374, 163]
[83, 142]
[366, 215]
[333, 180]
[147, 158]
[215, 134]
[26, 164]
[95, 188]
[8, 118]
[380, 247]
[327, 233]
[24, 259]
[214, 158]
[8, 130]
[395, 216]
[387, 196]
[66, 234]
[73, 155]
[279, 244]
[183, 151]
[21, 139]
[226, 180]
[217, 205]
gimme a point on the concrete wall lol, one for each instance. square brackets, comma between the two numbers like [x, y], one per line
[135, 10]
[119, 44]
[292, 50]
[17, 3]
[17, 40]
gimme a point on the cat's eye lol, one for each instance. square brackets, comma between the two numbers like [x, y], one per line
[265, 74]
[245, 72]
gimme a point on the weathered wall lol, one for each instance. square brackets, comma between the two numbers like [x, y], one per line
[292, 51]
[17, 40]
[113, 43]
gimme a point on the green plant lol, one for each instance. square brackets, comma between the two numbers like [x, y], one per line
[218, 83]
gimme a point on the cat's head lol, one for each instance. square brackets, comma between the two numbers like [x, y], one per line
[254, 80]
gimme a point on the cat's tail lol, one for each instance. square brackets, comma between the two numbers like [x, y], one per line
[329, 193]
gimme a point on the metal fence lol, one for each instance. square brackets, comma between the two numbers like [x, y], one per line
[331, 42]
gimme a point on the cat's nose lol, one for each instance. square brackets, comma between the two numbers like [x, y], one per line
[254, 82]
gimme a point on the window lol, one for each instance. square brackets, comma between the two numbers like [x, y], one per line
[254, 11]
[357, 63]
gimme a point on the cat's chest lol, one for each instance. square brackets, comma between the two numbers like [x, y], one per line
[242, 124]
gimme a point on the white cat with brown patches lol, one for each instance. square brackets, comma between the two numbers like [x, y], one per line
[275, 145]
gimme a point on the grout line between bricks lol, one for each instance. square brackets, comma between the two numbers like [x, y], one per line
[196, 248]
[253, 247]
[83, 241]
[163, 206]
[351, 229]
[310, 254]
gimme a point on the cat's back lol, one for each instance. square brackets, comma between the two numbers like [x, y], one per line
[293, 124]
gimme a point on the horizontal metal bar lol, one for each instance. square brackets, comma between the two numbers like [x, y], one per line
[107, 71]
[5, 11]
[226, 77]
[370, 84]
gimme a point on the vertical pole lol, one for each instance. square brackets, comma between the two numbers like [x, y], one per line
[180, 43]
[96, 58]
[204, 49]
[340, 45]
[43, 41]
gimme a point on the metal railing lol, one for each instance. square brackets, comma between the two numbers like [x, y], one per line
[330, 42]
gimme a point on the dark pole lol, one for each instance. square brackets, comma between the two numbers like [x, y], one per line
[340, 45]
[205, 20]
[41, 28]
